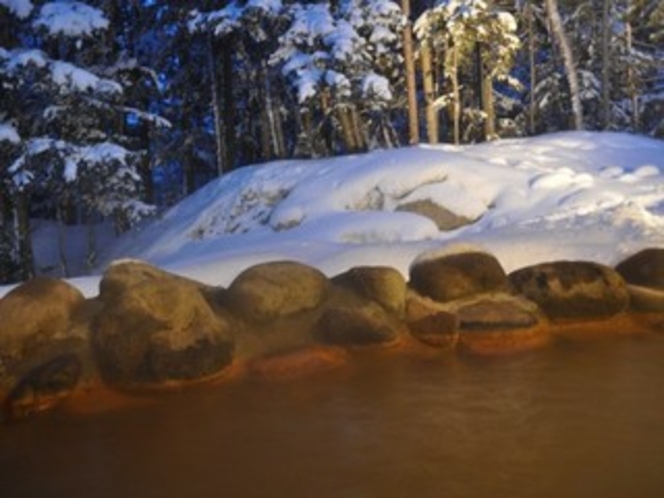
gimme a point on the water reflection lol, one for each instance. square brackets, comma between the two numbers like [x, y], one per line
[577, 420]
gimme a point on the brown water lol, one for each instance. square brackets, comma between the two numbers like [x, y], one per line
[577, 420]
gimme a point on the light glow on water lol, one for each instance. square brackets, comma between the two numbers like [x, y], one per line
[574, 420]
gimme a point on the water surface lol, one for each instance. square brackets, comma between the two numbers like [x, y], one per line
[575, 420]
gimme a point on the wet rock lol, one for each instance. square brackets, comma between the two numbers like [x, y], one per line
[430, 322]
[573, 290]
[645, 299]
[454, 276]
[444, 219]
[160, 330]
[43, 387]
[37, 325]
[380, 284]
[271, 290]
[645, 268]
[501, 324]
[359, 325]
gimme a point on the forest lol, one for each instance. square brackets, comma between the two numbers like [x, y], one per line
[113, 110]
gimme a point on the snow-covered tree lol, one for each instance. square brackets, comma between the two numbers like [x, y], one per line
[62, 101]
[342, 63]
[477, 42]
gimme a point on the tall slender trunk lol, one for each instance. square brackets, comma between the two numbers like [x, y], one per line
[273, 138]
[347, 131]
[62, 239]
[631, 82]
[605, 115]
[485, 92]
[229, 142]
[216, 106]
[429, 92]
[26, 255]
[91, 257]
[411, 90]
[568, 61]
[532, 104]
[456, 94]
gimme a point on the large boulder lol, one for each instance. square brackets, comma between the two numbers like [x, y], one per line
[158, 331]
[501, 324]
[362, 324]
[458, 275]
[573, 290]
[645, 268]
[271, 290]
[39, 340]
[380, 284]
[124, 274]
[430, 322]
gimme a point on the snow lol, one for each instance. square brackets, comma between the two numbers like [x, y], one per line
[9, 134]
[69, 18]
[565, 196]
[20, 8]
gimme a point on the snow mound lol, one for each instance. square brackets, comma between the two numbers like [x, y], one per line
[566, 196]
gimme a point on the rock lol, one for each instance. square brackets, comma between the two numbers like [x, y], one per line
[429, 322]
[37, 321]
[444, 219]
[380, 284]
[573, 290]
[122, 275]
[645, 299]
[271, 290]
[645, 268]
[501, 324]
[454, 276]
[158, 331]
[43, 387]
[360, 325]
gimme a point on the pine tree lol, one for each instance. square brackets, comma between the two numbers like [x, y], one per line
[70, 118]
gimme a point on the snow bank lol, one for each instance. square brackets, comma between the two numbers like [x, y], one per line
[576, 195]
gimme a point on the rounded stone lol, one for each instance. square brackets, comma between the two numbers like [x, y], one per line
[160, 330]
[645, 268]
[455, 276]
[271, 290]
[501, 324]
[381, 284]
[430, 323]
[38, 326]
[573, 290]
[359, 325]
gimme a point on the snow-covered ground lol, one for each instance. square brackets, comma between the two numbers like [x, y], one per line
[574, 195]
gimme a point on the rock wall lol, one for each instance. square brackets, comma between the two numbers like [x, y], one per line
[152, 330]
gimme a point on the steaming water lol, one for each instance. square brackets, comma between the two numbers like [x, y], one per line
[577, 420]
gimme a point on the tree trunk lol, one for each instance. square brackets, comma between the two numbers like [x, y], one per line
[216, 107]
[532, 103]
[411, 90]
[230, 141]
[568, 61]
[429, 93]
[347, 131]
[631, 82]
[91, 257]
[26, 255]
[456, 94]
[485, 84]
[605, 113]
[62, 239]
